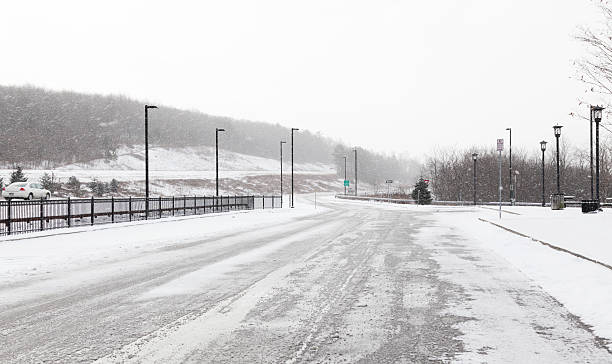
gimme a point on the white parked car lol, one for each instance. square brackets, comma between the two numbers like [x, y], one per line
[25, 190]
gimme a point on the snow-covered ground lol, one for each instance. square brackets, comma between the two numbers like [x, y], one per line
[344, 282]
[179, 171]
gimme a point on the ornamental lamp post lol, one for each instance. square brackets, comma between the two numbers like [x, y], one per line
[597, 114]
[557, 129]
[474, 157]
[543, 148]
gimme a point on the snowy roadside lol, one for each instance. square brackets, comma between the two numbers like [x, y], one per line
[44, 256]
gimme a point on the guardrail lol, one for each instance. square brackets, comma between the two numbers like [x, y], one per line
[458, 203]
[37, 215]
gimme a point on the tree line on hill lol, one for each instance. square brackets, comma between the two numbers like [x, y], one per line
[44, 128]
[451, 173]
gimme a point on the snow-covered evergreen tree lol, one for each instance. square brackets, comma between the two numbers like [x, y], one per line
[421, 192]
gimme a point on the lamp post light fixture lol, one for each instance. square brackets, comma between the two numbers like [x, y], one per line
[543, 148]
[474, 157]
[292, 130]
[512, 187]
[281, 171]
[217, 130]
[557, 129]
[146, 110]
[597, 114]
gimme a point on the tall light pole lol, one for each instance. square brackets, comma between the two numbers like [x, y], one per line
[557, 129]
[217, 130]
[281, 174]
[510, 154]
[292, 130]
[146, 109]
[591, 146]
[597, 113]
[474, 157]
[344, 176]
[355, 150]
[543, 148]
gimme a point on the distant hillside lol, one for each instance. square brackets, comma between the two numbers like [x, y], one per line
[50, 129]
[54, 128]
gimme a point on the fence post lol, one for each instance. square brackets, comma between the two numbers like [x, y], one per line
[42, 215]
[272, 201]
[195, 205]
[130, 207]
[8, 216]
[69, 208]
[112, 209]
[92, 210]
[184, 205]
[160, 207]
[263, 202]
[173, 205]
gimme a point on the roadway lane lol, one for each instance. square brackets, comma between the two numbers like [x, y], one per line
[357, 282]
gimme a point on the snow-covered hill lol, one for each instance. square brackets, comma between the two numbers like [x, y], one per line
[192, 159]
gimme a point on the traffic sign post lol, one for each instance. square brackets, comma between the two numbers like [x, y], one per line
[388, 182]
[500, 148]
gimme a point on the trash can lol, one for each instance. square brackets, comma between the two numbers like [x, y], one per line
[557, 201]
[589, 206]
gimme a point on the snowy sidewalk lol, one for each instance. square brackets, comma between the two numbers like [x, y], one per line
[586, 234]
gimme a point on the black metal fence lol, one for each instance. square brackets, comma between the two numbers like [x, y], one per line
[37, 215]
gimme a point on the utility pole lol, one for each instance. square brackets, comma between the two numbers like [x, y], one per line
[217, 130]
[355, 171]
[281, 172]
[292, 130]
[146, 109]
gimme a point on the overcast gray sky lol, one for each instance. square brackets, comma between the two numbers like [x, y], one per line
[396, 76]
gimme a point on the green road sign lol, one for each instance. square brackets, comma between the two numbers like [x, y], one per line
[346, 182]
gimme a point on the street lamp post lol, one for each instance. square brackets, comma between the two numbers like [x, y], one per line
[543, 148]
[217, 130]
[344, 176]
[510, 154]
[597, 113]
[146, 109]
[281, 172]
[557, 129]
[591, 145]
[474, 157]
[292, 130]
[355, 150]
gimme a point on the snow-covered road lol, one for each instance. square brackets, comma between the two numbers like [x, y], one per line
[346, 282]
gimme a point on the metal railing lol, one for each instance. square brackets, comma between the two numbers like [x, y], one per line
[458, 203]
[37, 215]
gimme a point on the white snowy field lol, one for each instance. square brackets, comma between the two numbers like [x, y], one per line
[175, 163]
[343, 282]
